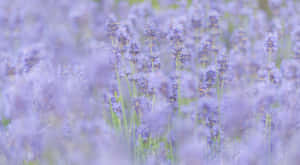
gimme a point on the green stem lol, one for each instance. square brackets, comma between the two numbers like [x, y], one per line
[134, 90]
[178, 65]
[122, 102]
[115, 120]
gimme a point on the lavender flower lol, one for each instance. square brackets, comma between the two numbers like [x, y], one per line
[127, 82]
[270, 45]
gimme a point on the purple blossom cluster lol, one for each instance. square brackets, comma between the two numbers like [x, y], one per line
[185, 82]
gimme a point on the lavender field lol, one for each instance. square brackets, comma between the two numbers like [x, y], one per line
[149, 82]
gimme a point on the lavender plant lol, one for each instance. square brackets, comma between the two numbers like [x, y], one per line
[148, 82]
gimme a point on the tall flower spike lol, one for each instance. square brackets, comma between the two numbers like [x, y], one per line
[205, 51]
[185, 56]
[211, 77]
[214, 23]
[176, 33]
[196, 18]
[150, 30]
[112, 26]
[123, 36]
[222, 63]
[134, 50]
[240, 40]
[271, 43]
